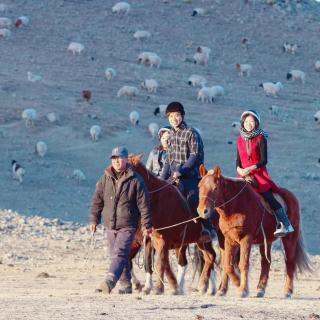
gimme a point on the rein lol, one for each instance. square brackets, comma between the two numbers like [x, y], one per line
[228, 201]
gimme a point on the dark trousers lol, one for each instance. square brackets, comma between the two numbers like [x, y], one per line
[189, 188]
[269, 197]
[119, 246]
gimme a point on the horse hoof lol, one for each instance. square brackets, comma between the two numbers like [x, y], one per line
[146, 291]
[243, 294]
[138, 287]
[222, 292]
[158, 291]
[175, 292]
[260, 293]
[288, 295]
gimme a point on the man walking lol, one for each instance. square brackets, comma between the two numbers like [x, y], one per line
[121, 198]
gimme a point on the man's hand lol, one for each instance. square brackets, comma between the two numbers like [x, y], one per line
[93, 228]
[147, 232]
[176, 175]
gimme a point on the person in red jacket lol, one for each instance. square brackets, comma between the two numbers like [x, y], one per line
[252, 158]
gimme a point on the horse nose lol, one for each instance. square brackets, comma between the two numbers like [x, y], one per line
[205, 211]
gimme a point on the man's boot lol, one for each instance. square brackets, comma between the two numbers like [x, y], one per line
[283, 224]
[107, 285]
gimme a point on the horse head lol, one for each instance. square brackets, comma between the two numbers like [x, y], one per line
[209, 187]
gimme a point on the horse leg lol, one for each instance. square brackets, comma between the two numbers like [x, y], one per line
[230, 249]
[265, 268]
[289, 243]
[209, 256]
[169, 274]
[245, 248]
[149, 254]
[135, 247]
[182, 266]
[159, 246]
[223, 287]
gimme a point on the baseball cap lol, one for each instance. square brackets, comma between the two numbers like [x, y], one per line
[120, 151]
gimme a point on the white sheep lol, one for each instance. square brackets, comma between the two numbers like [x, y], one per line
[243, 69]
[17, 171]
[208, 94]
[22, 21]
[161, 110]
[317, 117]
[290, 48]
[317, 65]
[142, 35]
[128, 91]
[95, 133]
[274, 110]
[121, 8]
[29, 116]
[197, 81]
[52, 117]
[149, 58]
[33, 77]
[244, 43]
[75, 47]
[271, 88]
[5, 33]
[297, 75]
[153, 129]
[110, 73]
[134, 117]
[236, 127]
[78, 175]
[5, 22]
[41, 148]
[151, 85]
[198, 12]
[202, 55]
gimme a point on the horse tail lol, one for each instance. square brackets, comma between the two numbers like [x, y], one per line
[303, 262]
[149, 253]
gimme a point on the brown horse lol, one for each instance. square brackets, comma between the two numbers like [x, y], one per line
[169, 212]
[244, 221]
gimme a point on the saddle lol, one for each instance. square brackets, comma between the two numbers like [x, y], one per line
[266, 205]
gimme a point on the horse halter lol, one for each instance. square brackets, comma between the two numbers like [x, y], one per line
[228, 201]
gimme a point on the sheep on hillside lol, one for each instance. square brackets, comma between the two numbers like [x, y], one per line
[128, 91]
[271, 88]
[197, 81]
[160, 110]
[243, 69]
[134, 117]
[5, 33]
[110, 73]
[198, 12]
[141, 35]
[41, 148]
[317, 117]
[95, 133]
[317, 65]
[5, 22]
[29, 116]
[297, 75]
[202, 55]
[153, 129]
[21, 21]
[121, 8]
[75, 47]
[236, 127]
[290, 48]
[151, 85]
[209, 94]
[17, 171]
[78, 175]
[149, 59]
[274, 110]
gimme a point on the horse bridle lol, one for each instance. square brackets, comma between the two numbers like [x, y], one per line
[228, 201]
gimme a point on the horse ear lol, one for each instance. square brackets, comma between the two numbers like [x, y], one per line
[203, 170]
[217, 172]
[140, 157]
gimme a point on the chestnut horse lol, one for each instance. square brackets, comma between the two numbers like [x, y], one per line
[169, 212]
[244, 221]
